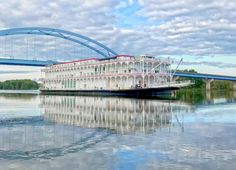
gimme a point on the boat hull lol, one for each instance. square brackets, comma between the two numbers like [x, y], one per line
[142, 92]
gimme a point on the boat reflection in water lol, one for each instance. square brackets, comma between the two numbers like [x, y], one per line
[115, 133]
[119, 114]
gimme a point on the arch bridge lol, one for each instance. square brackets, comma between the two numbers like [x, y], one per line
[100, 49]
[91, 44]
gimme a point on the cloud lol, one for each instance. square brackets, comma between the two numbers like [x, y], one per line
[159, 27]
[17, 72]
[67, 14]
[193, 27]
[212, 64]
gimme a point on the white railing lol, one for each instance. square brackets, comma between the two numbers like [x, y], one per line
[173, 83]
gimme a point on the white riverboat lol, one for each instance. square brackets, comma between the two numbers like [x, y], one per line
[121, 75]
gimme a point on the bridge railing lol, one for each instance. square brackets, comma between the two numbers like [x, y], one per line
[174, 83]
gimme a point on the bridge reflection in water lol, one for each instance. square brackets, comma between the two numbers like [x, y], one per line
[120, 114]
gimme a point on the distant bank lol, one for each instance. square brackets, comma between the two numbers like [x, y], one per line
[25, 84]
[19, 91]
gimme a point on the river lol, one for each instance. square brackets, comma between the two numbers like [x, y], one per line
[75, 132]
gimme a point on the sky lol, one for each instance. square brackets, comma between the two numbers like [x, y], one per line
[202, 32]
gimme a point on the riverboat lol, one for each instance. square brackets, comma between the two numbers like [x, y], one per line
[123, 75]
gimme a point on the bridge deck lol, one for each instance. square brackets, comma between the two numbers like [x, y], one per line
[205, 76]
[22, 62]
[42, 63]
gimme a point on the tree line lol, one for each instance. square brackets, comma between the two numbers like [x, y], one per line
[25, 84]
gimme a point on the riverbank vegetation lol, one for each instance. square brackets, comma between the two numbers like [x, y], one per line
[25, 84]
[197, 93]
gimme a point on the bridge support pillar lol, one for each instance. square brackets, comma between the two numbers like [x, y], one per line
[208, 95]
[234, 86]
[208, 84]
[173, 93]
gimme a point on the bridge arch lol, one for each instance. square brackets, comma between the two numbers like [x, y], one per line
[85, 41]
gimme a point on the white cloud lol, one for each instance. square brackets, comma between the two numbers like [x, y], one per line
[193, 27]
[183, 27]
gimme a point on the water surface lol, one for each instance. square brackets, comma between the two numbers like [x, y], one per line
[69, 132]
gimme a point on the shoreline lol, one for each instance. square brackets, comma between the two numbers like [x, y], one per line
[36, 92]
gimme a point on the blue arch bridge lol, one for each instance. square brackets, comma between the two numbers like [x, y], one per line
[91, 44]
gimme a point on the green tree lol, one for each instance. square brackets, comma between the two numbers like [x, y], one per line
[25, 84]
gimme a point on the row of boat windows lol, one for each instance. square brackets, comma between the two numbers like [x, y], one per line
[72, 84]
[65, 82]
[124, 64]
[68, 83]
[106, 68]
[49, 80]
[97, 73]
